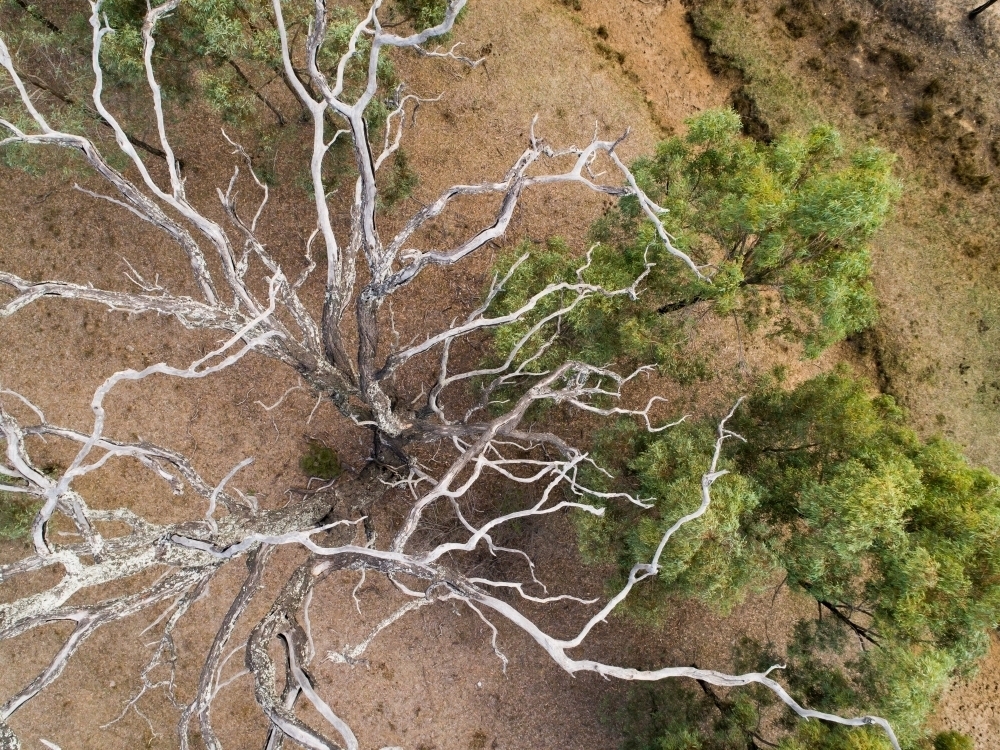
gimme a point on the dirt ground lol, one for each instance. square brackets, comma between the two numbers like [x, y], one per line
[433, 682]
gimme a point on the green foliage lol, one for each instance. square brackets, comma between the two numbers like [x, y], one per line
[790, 216]
[15, 517]
[16, 513]
[219, 51]
[36, 48]
[676, 716]
[897, 681]
[224, 90]
[896, 539]
[599, 330]
[871, 517]
[815, 735]
[902, 680]
[425, 13]
[320, 461]
[783, 229]
[398, 180]
[852, 506]
[709, 560]
[953, 741]
[22, 157]
[121, 52]
[217, 48]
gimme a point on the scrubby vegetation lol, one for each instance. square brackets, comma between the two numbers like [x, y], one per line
[17, 510]
[225, 53]
[320, 461]
[895, 539]
[423, 13]
[398, 181]
[782, 229]
[16, 515]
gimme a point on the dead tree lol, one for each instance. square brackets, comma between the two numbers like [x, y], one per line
[363, 272]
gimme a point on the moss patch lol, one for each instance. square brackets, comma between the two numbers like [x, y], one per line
[320, 461]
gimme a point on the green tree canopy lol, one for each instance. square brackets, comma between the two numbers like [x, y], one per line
[868, 518]
[781, 230]
[895, 538]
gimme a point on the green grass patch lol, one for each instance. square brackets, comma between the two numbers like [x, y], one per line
[16, 513]
[321, 462]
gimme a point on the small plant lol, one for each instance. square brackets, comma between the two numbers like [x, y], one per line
[901, 60]
[933, 87]
[399, 181]
[864, 104]
[426, 13]
[609, 53]
[923, 113]
[849, 33]
[320, 462]
[801, 17]
[953, 741]
[15, 513]
[967, 173]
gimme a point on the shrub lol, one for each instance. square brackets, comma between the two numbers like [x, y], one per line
[320, 461]
[399, 180]
[16, 512]
[896, 539]
[782, 228]
[425, 13]
[923, 112]
[953, 741]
